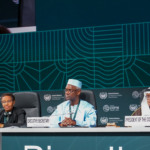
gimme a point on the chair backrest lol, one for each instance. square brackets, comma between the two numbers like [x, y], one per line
[30, 102]
[88, 96]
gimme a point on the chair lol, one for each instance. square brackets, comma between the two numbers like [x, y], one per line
[88, 96]
[29, 101]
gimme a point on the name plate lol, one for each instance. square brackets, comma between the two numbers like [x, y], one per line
[137, 121]
[38, 122]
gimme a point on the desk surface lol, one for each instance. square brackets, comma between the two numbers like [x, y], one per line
[78, 130]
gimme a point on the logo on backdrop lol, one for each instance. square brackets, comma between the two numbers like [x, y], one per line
[50, 109]
[104, 120]
[47, 97]
[107, 95]
[107, 108]
[103, 95]
[135, 94]
[133, 107]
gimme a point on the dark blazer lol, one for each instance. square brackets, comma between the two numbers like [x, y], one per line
[17, 118]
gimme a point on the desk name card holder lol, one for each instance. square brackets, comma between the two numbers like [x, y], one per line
[135, 121]
[38, 122]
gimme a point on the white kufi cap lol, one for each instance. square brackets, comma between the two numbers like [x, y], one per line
[75, 82]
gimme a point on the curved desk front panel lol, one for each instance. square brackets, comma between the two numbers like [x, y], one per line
[75, 138]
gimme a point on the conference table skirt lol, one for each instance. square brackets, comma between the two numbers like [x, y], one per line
[104, 138]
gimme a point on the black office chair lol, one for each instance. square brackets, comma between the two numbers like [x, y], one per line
[30, 102]
[88, 96]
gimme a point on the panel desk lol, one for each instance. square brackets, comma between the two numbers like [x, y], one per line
[109, 138]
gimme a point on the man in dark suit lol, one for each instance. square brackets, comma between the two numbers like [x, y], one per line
[10, 116]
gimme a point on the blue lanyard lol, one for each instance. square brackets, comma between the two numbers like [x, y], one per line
[75, 111]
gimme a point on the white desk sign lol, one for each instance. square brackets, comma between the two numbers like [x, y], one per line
[137, 121]
[38, 122]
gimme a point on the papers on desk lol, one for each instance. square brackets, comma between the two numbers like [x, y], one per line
[134, 121]
[38, 122]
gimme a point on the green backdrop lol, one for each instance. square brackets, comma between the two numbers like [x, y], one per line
[103, 44]
[101, 57]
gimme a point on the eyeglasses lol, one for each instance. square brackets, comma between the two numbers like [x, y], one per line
[69, 90]
[4, 102]
[147, 96]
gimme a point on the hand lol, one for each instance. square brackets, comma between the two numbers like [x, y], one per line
[1, 125]
[67, 122]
